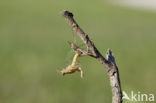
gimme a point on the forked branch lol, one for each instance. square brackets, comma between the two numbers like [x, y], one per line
[108, 62]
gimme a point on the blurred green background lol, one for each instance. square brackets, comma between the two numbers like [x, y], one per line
[33, 48]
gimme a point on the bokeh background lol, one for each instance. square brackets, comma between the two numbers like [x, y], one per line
[33, 48]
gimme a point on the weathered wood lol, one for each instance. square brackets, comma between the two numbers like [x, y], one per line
[108, 62]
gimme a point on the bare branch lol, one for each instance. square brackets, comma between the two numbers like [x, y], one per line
[79, 50]
[108, 63]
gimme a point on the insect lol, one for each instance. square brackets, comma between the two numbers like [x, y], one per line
[73, 67]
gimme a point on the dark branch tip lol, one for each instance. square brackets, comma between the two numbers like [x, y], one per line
[66, 13]
[109, 52]
[110, 57]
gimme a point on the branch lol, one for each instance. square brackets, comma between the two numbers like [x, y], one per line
[79, 50]
[108, 62]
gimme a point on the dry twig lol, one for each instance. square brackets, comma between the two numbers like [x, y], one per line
[108, 62]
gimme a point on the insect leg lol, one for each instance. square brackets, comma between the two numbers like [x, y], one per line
[81, 72]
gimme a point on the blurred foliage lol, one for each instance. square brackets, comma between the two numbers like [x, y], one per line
[33, 46]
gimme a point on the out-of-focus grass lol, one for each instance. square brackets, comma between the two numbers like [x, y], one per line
[33, 46]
